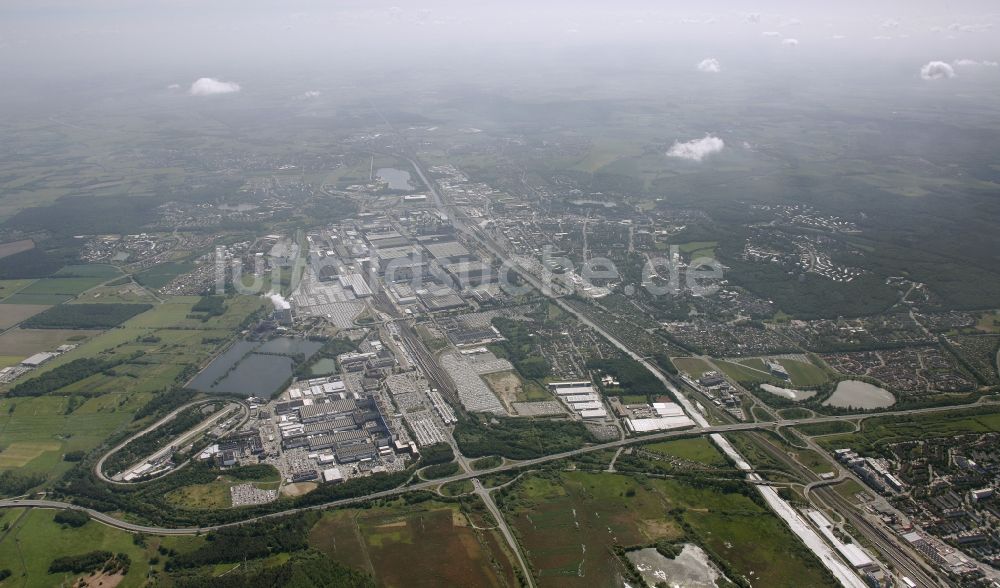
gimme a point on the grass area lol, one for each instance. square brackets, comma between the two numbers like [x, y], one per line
[432, 342]
[453, 548]
[36, 540]
[880, 431]
[28, 341]
[691, 365]
[82, 414]
[160, 275]
[988, 322]
[215, 494]
[761, 415]
[569, 522]
[795, 413]
[745, 374]
[8, 287]
[70, 286]
[804, 374]
[485, 463]
[829, 428]
[849, 489]
[697, 449]
[46, 299]
[812, 460]
[8, 360]
[457, 488]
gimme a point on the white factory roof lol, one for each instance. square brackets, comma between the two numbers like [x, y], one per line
[355, 282]
[571, 390]
[575, 384]
[668, 409]
[38, 359]
[581, 406]
[332, 475]
[659, 423]
[581, 398]
[594, 413]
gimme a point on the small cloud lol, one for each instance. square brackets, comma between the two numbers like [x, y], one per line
[696, 149]
[974, 63]
[890, 23]
[790, 42]
[839, 37]
[212, 86]
[174, 87]
[937, 70]
[771, 34]
[710, 65]
[788, 22]
[312, 94]
[752, 17]
[882, 37]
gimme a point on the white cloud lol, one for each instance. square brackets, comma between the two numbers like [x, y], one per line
[174, 87]
[212, 86]
[839, 37]
[890, 23]
[937, 70]
[312, 94]
[771, 34]
[752, 17]
[973, 63]
[790, 42]
[709, 65]
[696, 149]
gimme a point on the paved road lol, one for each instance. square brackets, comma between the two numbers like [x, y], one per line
[528, 463]
[207, 423]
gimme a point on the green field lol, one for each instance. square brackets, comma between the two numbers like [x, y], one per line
[105, 403]
[35, 540]
[569, 523]
[160, 275]
[804, 374]
[697, 449]
[691, 365]
[453, 548]
[880, 431]
[745, 374]
[214, 494]
[8, 287]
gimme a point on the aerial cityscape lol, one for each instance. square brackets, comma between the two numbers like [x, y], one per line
[513, 294]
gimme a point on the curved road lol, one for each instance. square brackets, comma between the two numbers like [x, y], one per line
[210, 420]
[154, 530]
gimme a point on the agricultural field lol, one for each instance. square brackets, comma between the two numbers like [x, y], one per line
[24, 342]
[37, 431]
[15, 313]
[8, 287]
[452, 549]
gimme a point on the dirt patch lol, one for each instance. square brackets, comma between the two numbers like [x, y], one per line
[298, 489]
[659, 528]
[103, 580]
[14, 247]
[506, 386]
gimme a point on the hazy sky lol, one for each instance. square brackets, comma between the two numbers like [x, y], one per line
[239, 41]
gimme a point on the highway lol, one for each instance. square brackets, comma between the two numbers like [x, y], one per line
[525, 464]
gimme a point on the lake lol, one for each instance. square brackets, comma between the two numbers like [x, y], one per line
[250, 368]
[396, 178]
[796, 395]
[858, 394]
